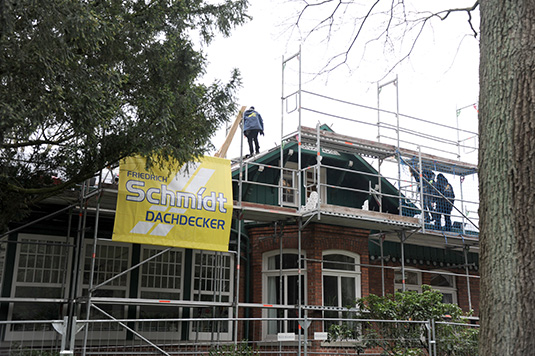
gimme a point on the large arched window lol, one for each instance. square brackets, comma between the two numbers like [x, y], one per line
[281, 287]
[341, 282]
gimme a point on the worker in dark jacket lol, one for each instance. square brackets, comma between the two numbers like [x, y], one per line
[252, 126]
[444, 202]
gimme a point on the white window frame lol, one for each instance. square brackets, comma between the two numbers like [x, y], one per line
[418, 287]
[15, 335]
[116, 285]
[290, 174]
[266, 274]
[339, 274]
[398, 286]
[288, 194]
[159, 262]
[311, 175]
[222, 292]
[447, 290]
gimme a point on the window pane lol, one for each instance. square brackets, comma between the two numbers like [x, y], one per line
[273, 290]
[35, 268]
[116, 310]
[36, 311]
[348, 291]
[211, 326]
[289, 261]
[441, 280]
[447, 298]
[288, 193]
[293, 293]
[158, 312]
[292, 299]
[330, 291]
[40, 292]
[339, 262]
[410, 277]
[273, 297]
[163, 266]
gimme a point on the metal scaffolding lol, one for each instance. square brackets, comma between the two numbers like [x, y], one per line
[406, 154]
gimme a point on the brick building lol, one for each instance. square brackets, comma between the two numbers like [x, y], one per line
[351, 244]
[314, 229]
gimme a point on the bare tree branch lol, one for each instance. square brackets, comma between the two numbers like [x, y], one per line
[346, 53]
[444, 14]
[419, 23]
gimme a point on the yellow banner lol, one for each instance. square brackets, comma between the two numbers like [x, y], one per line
[191, 208]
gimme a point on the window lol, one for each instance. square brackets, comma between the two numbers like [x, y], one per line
[289, 183]
[341, 283]
[212, 282]
[311, 182]
[40, 272]
[412, 281]
[161, 279]
[281, 287]
[445, 284]
[110, 260]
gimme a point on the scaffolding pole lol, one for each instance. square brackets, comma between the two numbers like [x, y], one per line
[465, 252]
[402, 240]
[91, 275]
[238, 269]
[75, 277]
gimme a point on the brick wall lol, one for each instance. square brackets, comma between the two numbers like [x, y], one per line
[315, 239]
[460, 282]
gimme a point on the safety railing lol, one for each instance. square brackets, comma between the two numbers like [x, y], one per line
[318, 335]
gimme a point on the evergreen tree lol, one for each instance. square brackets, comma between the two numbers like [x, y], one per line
[86, 83]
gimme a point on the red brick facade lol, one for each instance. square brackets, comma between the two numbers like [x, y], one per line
[317, 238]
[461, 283]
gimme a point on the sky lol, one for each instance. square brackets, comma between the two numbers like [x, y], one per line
[439, 77]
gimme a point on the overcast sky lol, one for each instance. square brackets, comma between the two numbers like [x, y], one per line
[440, 76]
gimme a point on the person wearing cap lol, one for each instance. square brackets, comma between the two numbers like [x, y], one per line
[252, 126]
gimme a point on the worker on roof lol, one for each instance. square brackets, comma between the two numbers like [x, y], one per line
[444, 202]
[252, 126]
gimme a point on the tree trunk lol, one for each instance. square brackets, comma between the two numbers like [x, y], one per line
[507, 177]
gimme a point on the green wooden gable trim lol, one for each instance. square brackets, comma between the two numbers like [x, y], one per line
[271, 174]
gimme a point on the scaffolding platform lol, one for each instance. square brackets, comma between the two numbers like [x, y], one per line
[353, 145]
[328, 214]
